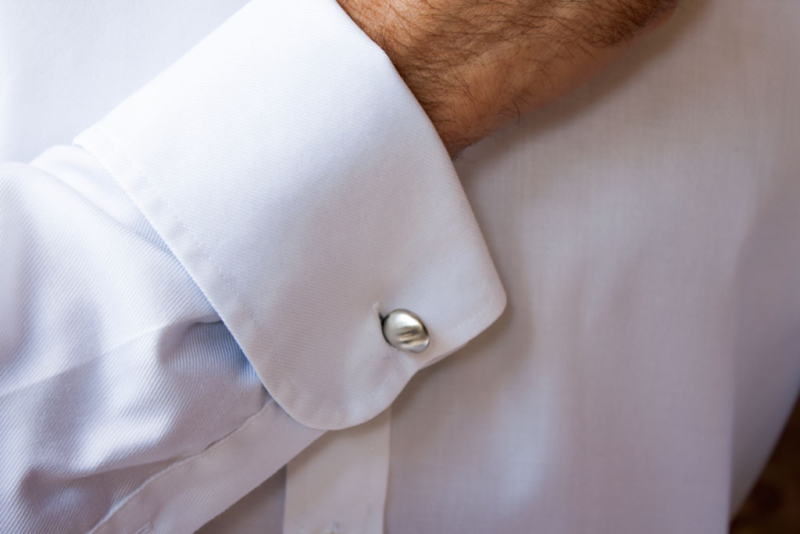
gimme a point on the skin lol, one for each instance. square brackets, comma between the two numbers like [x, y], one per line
[474, 65]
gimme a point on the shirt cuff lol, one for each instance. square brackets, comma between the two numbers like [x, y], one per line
[294, 175]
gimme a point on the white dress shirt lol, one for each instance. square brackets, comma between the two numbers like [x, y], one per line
[192, 289]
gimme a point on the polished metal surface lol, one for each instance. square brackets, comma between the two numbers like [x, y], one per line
[405, 331]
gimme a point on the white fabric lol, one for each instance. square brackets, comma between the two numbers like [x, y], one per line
[321, 481]
[206, 240]
[343, 234]
[647, 231]
[646, 228]
[190, 492]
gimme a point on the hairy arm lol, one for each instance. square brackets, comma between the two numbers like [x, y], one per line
[476, 64]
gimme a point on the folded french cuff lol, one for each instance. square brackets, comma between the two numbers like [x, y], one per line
[292, 172]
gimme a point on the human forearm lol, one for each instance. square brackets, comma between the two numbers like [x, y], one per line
[476, 65]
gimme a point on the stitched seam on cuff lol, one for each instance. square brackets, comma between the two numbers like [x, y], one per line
[122, 154]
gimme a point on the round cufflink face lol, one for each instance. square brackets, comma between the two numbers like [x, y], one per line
[405, 331]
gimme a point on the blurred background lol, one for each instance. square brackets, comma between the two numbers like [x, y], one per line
[773, 506]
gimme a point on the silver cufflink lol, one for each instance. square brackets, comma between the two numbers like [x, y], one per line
[405, 331]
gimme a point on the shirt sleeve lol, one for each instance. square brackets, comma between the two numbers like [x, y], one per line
[216, 253]
[292, 173]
